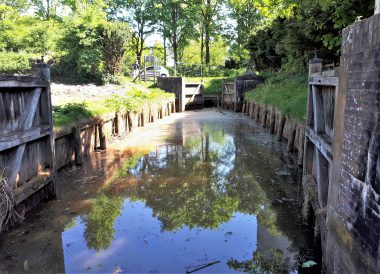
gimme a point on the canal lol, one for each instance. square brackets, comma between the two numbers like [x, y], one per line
[203, 191]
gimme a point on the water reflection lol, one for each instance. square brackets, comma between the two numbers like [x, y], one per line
[209, 194]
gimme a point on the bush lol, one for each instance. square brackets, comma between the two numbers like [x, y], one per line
[115, 37]
[19, 63]
[93, 50]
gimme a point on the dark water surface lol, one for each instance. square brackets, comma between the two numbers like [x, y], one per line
[205, 188]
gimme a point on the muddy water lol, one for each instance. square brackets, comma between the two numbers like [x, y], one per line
[200, 189]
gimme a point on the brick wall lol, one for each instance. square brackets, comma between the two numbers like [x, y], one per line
[353, 218]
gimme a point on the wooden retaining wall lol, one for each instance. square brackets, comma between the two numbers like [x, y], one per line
[74, 143]
[282, 125]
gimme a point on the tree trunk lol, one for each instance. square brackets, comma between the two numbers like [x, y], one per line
[165, 57]
[207, 44]
[202, 44]
[174, 32]
[47, 9]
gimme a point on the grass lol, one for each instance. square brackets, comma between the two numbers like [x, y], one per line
[285, 91]
[131, 100]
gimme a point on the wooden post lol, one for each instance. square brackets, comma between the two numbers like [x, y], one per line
[272, 120]
[144, 69]
[281, 127]
[315, 66]
[118, 123]
[102, 136]
[78, 146]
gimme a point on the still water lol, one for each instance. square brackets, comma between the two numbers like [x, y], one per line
[204, 192]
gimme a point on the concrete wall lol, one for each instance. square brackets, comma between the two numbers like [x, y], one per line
[353, 216]
[174, 85]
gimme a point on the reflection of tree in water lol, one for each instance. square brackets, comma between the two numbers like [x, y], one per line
[197, 184]
[100, 230]
[260, 263]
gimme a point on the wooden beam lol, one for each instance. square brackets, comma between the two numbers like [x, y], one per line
[31, 187]
[17, 84]
[320, 143]
[18, 138]
[30, 110]
[318, 108]
[324, 81]
[15, 165]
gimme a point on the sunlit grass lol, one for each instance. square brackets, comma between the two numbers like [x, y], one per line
[285, 91]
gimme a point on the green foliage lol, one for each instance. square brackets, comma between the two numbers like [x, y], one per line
[74, 112]
[285, 91]
[290, 39]
[92, 48]
[114, 38]
[91, 41]
[82, 57]
[12, 62]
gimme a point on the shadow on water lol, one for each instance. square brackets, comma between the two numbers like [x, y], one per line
[217, 195]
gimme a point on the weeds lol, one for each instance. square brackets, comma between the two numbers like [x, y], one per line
[7, 204]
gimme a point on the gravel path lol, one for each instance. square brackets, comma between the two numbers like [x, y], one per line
[63, 94]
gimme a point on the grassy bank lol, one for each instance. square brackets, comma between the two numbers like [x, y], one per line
[131, 100]
[285, 91]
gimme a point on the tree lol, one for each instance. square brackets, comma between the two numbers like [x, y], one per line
[246, 15]
[178, 23]
[46, 8]
[210, 16]
[141, 15]
[115, 37]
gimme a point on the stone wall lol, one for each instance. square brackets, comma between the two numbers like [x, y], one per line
[353, 216]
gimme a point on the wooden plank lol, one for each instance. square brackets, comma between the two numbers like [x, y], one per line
[319, 119]
[30, 110]
[17, 84]
[15, 165]
[324, 81]
[322, 144]
[18, 138]
[29, 188]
